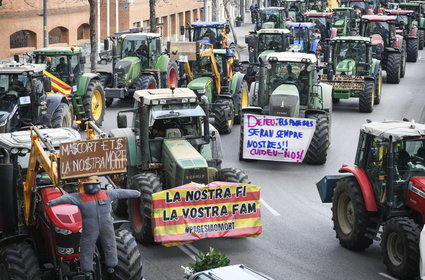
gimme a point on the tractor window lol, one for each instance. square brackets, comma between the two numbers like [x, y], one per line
[359, 6]
[349, 50]
[274, 42]
[136, 47]
[286, 73]
[409, 159]
[17, 83]
[57, 65]
[77, 68]
[205, 34]
[154, 51]
[378, 27]
[300, 34]
[340, 17]
[403, 19]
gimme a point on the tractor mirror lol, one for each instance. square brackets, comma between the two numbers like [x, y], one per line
[121, 121]
[106, 44]
[181, 30]
[47, 84]
[82, 60]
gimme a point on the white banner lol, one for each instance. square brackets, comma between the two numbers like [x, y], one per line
[277, 138]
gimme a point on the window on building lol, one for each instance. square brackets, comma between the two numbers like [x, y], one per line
[23, 39]
[83, 31]
[58, 35]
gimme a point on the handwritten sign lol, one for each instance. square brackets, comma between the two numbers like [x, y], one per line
[276, 138]
[194, 211]
[93, 157]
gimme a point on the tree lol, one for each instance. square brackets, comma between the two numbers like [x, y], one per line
[226, 10]
[93, 42]
[152, 15]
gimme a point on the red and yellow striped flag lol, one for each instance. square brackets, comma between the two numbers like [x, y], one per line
[193, 211]
[58, 85]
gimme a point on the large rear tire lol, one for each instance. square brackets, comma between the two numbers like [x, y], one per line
[242, 100]
[318, 150]
[146, 82]
[129, 259]
[18, 261]
[421, 42]
[234, 175]
[412, 50]
[378, 87]
[62, 116]
[140, 209]
[400, 247]
[393, 68]
[349, 215]
[366, 98]
[94, 102]
[403, 60]
[171, 77]
[223, 122]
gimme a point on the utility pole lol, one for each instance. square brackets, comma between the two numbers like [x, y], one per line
[205, 10]
[45, 41]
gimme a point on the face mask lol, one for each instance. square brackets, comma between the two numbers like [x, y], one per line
[92, 188]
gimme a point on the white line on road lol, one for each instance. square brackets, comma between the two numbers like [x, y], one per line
[192, 248]
[387, 276]
[187, 252]
[274, 212]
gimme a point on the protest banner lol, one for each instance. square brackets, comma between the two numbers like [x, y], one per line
[276, 138]
[194, 211]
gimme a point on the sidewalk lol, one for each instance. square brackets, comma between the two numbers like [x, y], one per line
[241, 32]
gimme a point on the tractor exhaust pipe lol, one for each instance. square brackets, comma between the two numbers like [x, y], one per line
[205, 107]
[390, 177]
[261, 99]
[8, 197]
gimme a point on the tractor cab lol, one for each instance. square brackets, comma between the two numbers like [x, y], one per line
[382, 31]
[271, 40]
[323, 21]
[271, 17]
[316, 5]
[214, 33]
[345, 20]
[404, 21]
[362, 7]
[295, 9]
[419, 10]
[305, 37]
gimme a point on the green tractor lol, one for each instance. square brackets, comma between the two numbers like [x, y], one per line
[295, 9]
[353, 72]
[138, 63]
[170, 143]
[288, 87]
[65, 67]
[419, 20]
[345, 20]
[271, 17]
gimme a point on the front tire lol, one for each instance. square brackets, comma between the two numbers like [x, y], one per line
[318, 150]
[349, 215]
[393, 68]
[412, 50]
[18, 261]
[140, 209]
[129, 265]
[234, 175]
[62, 116]
[421, 42]
[400, 247]
[171, 77]
[223, 122]
[242, 100]
[403, 60]
[94, 102]
[366, 98]
[378, 87]
[146, 82]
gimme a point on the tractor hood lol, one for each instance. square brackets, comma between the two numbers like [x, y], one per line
[183, 163]
[415, 197]
[377, 40]
[264, 54]
[268, 25]
[347, 65]
[284, 101]
[199, 83]
[125, 68]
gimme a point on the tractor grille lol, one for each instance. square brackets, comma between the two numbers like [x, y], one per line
[289, 105]
[121, 69]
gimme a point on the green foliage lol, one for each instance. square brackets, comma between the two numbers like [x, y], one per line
[239, 18]
[212, 259]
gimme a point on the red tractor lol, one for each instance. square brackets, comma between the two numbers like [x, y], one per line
[409, 31]
[387, 46]
[385, 187]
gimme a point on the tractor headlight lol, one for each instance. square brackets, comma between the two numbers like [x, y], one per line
[155, 102]
[62, 231]
[349, 73]
[201, 91]
[338, 73]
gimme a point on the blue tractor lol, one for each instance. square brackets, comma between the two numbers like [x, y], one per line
[304, 37]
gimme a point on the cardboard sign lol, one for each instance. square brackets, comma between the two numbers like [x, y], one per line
[93, 157]
[277, 138]
[194, 211]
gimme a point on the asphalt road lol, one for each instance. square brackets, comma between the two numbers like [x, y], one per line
[298, 241]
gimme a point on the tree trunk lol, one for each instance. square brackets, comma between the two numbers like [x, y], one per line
[93, 43]
[152, 15]
[226, 10]
[214, 10]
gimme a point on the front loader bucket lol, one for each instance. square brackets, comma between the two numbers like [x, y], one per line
[327, 185]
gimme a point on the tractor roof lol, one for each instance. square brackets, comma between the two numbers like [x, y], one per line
[343, 8]
[273, 31]
[149, 35]
[180, 95]
[318, 14]
[398, 130]
[293, 57]
[378, 18]
[272, 8]
[208, 23]
[59, 50]
[352, 39]
[301, 25]
[22, 139]
[410, 4]
[17, 68]
[399, 12]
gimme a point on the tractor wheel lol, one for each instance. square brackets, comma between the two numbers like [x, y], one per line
[403, 60]
[146, 82]
[62, 116]
[221, 122]
[129, 265]
[393, 68]
[349, 215]
[412, 50]
[318, 149]
[234, 175]
[242, 100]
[171, 77]
[421, 34]
[140, 209]
[378, 87]
[400, 247]
[18, 261]
[94, 102]
[366, 97]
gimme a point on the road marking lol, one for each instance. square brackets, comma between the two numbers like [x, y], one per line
[192, 248]
[187, 252]
[386, 276]
[274, 212]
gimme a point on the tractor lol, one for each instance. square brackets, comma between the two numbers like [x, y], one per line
[170, 143]
[42, 242]
[419, 19]
[323, 21]
[361, 7]
[65, 67]
[384, 188]
[345, 20]
[295, 9]
[210, 72]
[316, 5]
[405, 27]
[271, 17]
[288, 86]
[353, 72]
[305, 37]
[387, 46]
[138, 63]
[24, 100]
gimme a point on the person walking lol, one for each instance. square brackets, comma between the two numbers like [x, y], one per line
[253, 11]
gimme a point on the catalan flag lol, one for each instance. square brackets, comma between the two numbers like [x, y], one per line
[194, 211]
[58, 85]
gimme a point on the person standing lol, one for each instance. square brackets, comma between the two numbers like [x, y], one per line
[253, 11]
